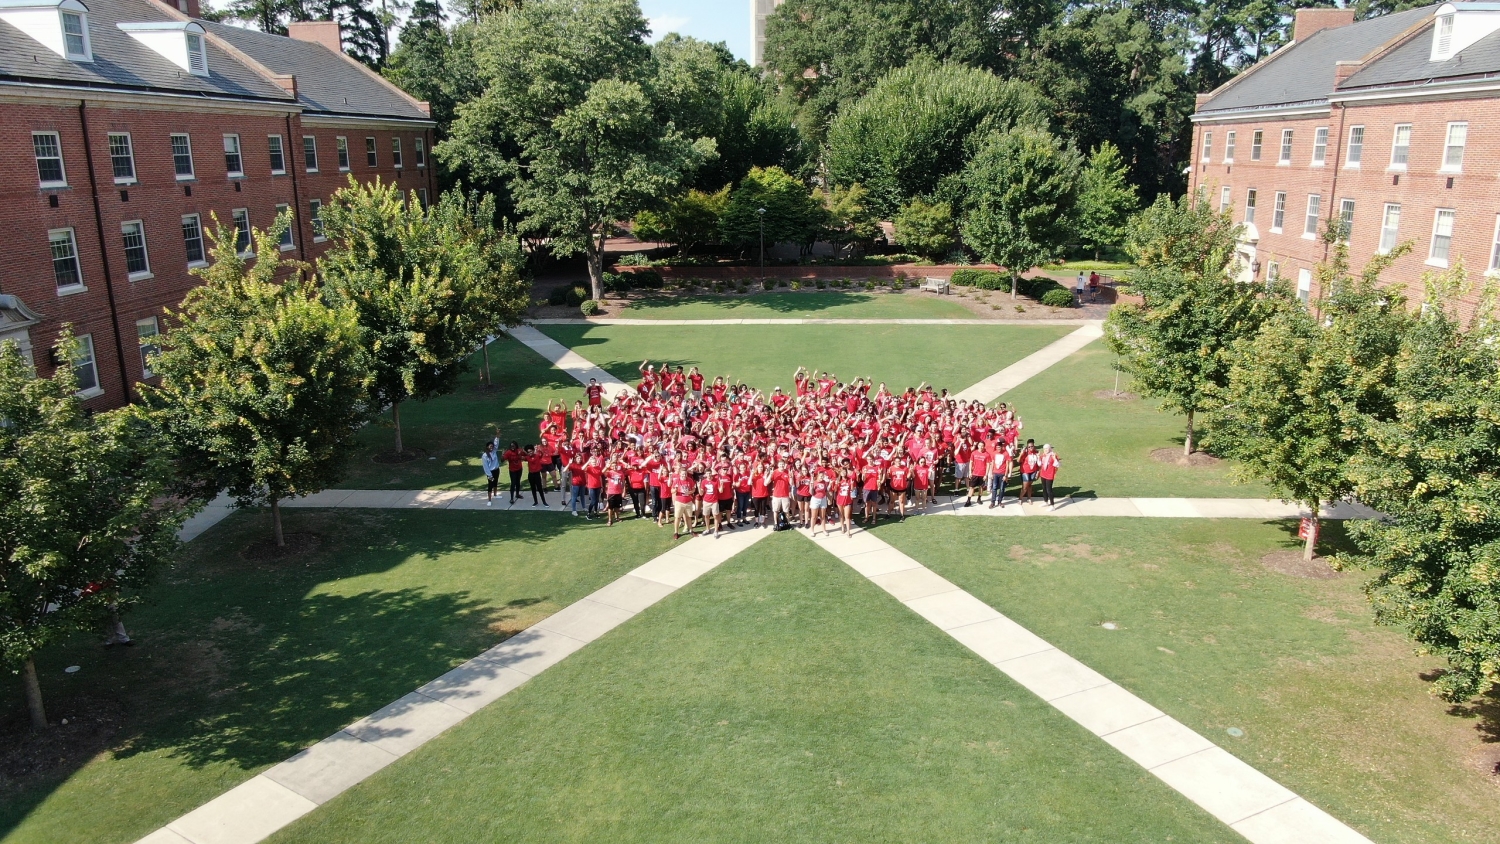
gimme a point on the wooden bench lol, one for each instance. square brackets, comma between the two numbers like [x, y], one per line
[936, 285]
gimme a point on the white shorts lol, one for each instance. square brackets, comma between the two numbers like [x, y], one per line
[820, 503]
[711, 508]
[961, 471]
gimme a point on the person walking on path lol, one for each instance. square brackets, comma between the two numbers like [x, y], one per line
[1030, 462]
[537, 464]
[1047, 468]
[490, 462]
[1078, 291]
[1094, 286]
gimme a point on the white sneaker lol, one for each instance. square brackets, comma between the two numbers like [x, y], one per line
[489, 503]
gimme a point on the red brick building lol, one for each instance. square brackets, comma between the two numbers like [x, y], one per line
[1391, 125]
[127, 126]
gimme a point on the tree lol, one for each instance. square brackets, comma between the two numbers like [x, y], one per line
[1433, 470]
[848, 219]
[263, 385]
[792, 213]
[1021, 187]
[1298, 390]
[1106, 201]
[568, 120]
[403, 272]
[926, 228]
[916, 127]
[689, 221]
[85, 520]
[420, 64]
[1175, 345]
[489, 267]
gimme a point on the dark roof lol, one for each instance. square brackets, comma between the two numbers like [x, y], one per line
[122, 62]
[1303, 72]
[1411, 62]
[326, 82]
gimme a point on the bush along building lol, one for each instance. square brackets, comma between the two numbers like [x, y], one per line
[128, 126]
[1389, 126]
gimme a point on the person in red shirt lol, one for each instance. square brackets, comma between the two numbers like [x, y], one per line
[577, 482]
[979, 472]
[635, 467]
[684, 497]
[593, 480]
[595, 393]
[614, 491]
[962, 450]
[760, 492]
[515, 459]
[781, 492]
[537, 464]
[1030, 462]
[695, 381]
[845, 488]
[899, 478]
[818, 503]
[1000, 475]
[1047, 466]
[872, 476]
[712, 486]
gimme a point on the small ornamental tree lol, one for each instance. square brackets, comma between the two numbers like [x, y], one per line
[263, 385]
[85, 515]
[1106, 200]
[926, 228]
[1175, 345]
[689, 221]
[792, 213]
[849, 222]
[1021, 187]
[488, 265]
[403, 272]
[1298, 390]
[1433, 470]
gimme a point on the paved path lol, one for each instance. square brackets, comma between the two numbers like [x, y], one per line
[810, 321]
[1251, 803]
[1028, 367]
[568, 360]
[260, 806]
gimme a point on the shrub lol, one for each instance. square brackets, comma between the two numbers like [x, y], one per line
[958, 257]
[647, 279]
[718, 287]
[796, 285]
[570, 296]
[1057, 297]
[899, 283]
[617, 282]
[781, 282]
[869, 284]
[740, 288]
[635, 259]
[821, 284]
[768, 284]
[589, 307]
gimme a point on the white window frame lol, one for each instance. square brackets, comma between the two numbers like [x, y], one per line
[341, 144]
[1437, 221]
[396, 159]
[201, 54]
[140, 229]
[1320, 146]
[288, 240]
[78, 286]
[1226, 198]
[419, 149]
[1205, 154]
[1390, 227]
[372, 152]
[141, 337]
[1347, 207]
[1250, 199]
[1353, 159]
[83, 25]
[238, 153]
[1284, 157]
[1230, 138]
[109, 140]
[192, 173]
[1278, 211]
[1312, 216]
[1273, 271]
[202, 244]
[1462, 128]
[1257, 142]
[240, 217]
[1404, 150]
[61, 165]
[315, 216]
[1304, 285]
[1442, 38]
[422, 197]
[276, 148]
[87, 357]
[1495, 248]
[312, 152]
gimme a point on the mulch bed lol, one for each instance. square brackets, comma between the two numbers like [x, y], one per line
[1291, 563]
[1175, 456]
[1111, 395]
[297, 544]
[399, 457]
[27, 757]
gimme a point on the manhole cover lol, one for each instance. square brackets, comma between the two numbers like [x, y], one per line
[1110, 625]
[72, 669]
[1235, 731]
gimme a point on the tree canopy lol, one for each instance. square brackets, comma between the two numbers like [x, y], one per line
[1019, 193]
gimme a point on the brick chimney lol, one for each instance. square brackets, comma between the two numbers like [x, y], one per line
[191, 8]
[318, 32]
[1309, 21]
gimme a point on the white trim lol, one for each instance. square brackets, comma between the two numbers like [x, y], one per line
[192, 175]
[334, 121]
[341, 152]
[316, 163]
[291, 230]
[1421, 91]
[1385, 214]
[239, 152]
[202, 242]
[279, 148]
[61, 163]
[1394, 166]
[1437, 217]
[70, 289]
[234, 214]
[1258, 114]
[70, 96]
[109, 138]
[138, 275]
[1448, 144]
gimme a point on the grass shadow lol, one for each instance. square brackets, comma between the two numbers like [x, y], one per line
[783, 303]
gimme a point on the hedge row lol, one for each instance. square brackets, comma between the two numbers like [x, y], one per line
[1043, 289]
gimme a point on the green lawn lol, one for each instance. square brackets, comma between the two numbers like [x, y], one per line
[239, 665]
[1106, 445]
[819, 305]
[453, 429]
[951, 356]
[780, 698]
[1331, 706]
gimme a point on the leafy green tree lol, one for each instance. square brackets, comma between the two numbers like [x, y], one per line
[1105, 201]
[1175, 344]
[1433, 470]
[926, 228]
[1021, 186]
[488, 265]
[848, 219]
[422, 64]
[1298, 391]
[85, 519]
[403, 272]
[914, 128]
[262, 384]
[567, 118]
[792, 213]
[689, 221]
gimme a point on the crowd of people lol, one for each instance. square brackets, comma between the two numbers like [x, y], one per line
[715, 455]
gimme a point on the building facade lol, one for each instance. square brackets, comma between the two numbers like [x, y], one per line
[1389, 126]
[129, 129]
[759, 11]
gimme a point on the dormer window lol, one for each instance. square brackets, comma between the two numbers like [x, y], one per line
[197, 54]
[75, 36]
[1442, 38]
[179, 42]
[61, 26]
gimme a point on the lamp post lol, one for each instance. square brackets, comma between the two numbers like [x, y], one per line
[761, 214]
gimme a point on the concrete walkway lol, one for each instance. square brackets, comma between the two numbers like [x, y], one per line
[257, 808]
[1028, 367]
[809, 321]
[568, 360]
[1251, 803]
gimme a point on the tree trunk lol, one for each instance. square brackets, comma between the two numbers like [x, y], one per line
[1187, 442]
[1015, 285]
[484, 346]
[34, 696]
[396, 418]
[596, 264]
[1312, 535]
[276, 523]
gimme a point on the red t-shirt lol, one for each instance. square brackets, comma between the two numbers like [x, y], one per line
[684, 490]
[593, 473]
[872, 478]
[781, 484]
[514, 457]
[595, 394]
[899, 475]
[614, 482]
